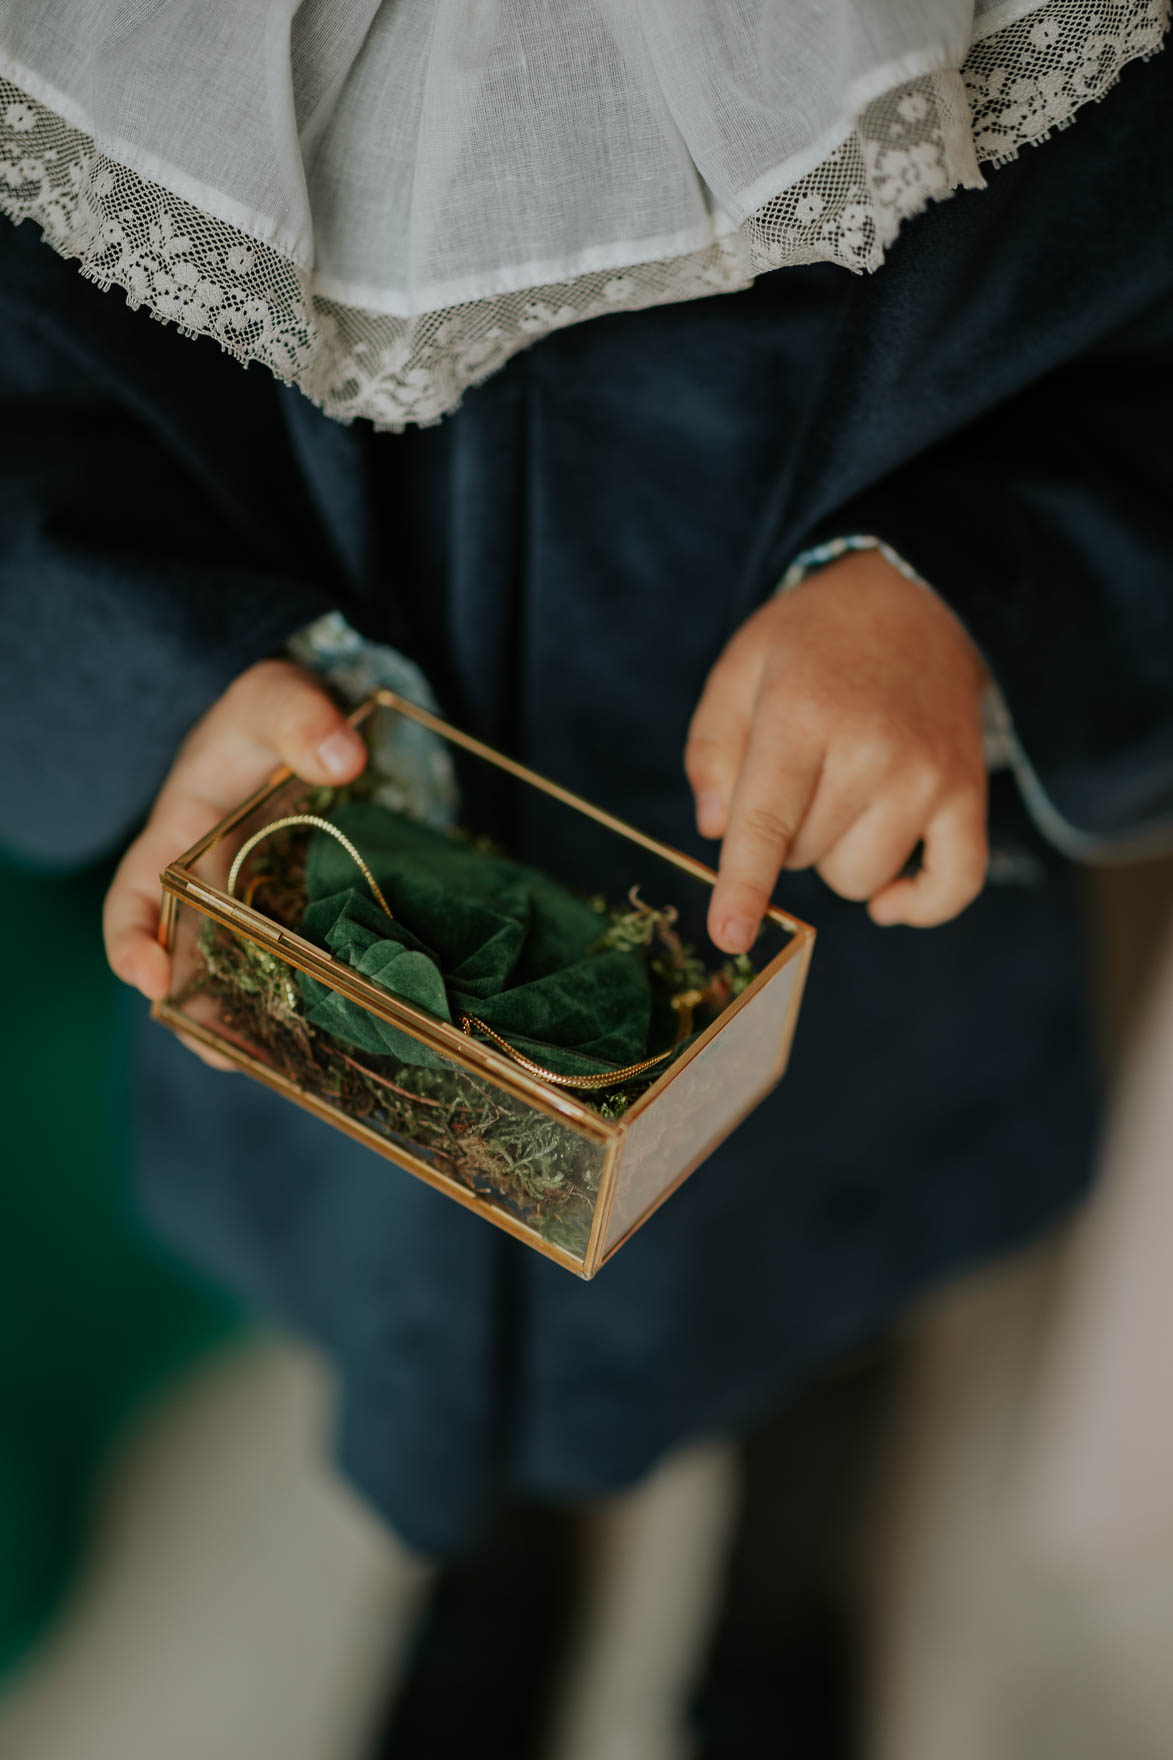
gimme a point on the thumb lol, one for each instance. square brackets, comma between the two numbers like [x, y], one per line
[280, 714]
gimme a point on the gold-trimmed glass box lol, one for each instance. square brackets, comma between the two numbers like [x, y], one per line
[571, 1165]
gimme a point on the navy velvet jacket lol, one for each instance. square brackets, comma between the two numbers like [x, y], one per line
[566, 556]
[995, 402]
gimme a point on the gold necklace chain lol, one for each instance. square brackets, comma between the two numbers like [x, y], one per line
[319, 825]
[610, 1079]
[683, 1003]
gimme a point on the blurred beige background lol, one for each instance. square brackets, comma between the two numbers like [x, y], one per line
[237, 1602]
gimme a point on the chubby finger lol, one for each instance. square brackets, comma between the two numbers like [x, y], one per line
[130, 913]
[273, 714]
[282, 715]
[830, 816]
[718, 734]
[770, 801]
[213, 1059]
[872, 851]
[130, 922]
[952, 873]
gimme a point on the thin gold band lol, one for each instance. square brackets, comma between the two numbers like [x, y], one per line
[683, 1004]
[611, 1079]
[319, 825]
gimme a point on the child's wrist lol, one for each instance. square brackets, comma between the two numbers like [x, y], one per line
[997, 724]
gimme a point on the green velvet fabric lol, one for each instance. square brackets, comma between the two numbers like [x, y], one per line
[472, 933]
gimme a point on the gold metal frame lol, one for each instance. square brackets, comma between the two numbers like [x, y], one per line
[180, 885]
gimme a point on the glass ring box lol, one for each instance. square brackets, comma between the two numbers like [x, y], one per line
[484, 978]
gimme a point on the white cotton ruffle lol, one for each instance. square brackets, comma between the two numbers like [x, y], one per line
[383, 200]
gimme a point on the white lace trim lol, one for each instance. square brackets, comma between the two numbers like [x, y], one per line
[1026, 76]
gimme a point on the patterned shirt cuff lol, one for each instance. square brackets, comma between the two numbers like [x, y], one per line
[415, 764]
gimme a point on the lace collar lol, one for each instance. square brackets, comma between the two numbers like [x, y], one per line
[383, 200]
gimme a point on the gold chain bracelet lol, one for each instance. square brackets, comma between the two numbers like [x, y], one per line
[684, 1004]
[319, 825]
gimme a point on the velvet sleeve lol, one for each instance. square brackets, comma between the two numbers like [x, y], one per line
[151, 547]
[1047, 525]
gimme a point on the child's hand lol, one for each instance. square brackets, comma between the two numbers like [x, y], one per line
[841, 727]
[273, 714]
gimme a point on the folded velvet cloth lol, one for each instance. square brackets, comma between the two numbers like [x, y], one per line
[383, 200]
[472, 933]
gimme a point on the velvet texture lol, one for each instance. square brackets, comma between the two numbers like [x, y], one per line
[474, 934]
[566, 556]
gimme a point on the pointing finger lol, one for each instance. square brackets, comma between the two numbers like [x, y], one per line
[718, 734]
[769, 804]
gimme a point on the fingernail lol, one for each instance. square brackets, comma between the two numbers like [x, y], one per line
[738, 933]
[338, 753]
[710, 814]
